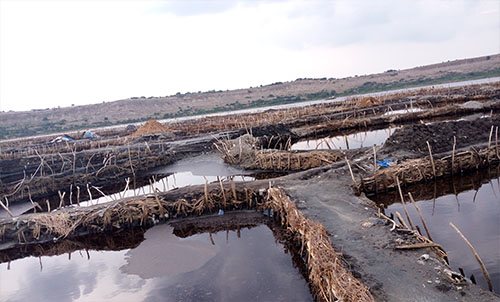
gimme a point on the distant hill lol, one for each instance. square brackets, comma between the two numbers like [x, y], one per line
[134, 109]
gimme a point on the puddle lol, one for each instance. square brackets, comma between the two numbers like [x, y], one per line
[351, 141]
[243, 264]
[474, 209]
[403, 111]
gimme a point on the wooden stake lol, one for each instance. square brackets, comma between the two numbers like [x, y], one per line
[432, 160]
[157, 199]
[453, 155]
[496, 142]
[481, 264]
[404, 204]
[350, 170]
[78, 195]
[130, 161]
[421, 217]
[489, 140]
[223, 192]
[6, 208]
[233, 187]
[401, 220]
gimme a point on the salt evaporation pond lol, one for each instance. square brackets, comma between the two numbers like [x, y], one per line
[192, 171]
[354, 140]
[475, 210]
[244, 265]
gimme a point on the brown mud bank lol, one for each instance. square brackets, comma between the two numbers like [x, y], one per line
[352, 251]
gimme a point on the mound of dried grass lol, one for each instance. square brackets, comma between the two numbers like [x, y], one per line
[369, 101]
[150, 127]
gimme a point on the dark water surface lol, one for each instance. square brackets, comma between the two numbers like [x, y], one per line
[472, 203]
[244, 265]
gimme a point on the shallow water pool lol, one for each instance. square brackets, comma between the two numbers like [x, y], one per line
[247, 264]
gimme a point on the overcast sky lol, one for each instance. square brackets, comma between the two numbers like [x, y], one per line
[58, 53]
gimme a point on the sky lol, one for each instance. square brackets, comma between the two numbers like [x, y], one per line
[59, 53]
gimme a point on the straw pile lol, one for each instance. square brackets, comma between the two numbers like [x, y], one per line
[368, 102]
[150, 127]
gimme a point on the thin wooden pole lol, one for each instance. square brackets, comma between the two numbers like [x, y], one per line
[6, 208]
[401, 220]
[481, 264]
[350, 170]
[453, 155]
[432, 160]
[404, 205]
[489, 140]
[375, 168]
[421, 217]
[496, 142]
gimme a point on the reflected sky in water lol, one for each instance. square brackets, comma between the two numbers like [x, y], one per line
[163, 268]
[355, 140]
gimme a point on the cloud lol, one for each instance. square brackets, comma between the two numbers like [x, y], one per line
[193, 7]
[56, 53]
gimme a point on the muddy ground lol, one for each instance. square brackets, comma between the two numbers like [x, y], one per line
[323, 194]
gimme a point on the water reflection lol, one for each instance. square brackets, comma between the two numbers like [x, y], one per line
[351, 141]
[176, 180]
[243, 264]
[470, 202]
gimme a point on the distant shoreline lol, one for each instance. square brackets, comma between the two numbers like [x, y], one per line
[182, 106]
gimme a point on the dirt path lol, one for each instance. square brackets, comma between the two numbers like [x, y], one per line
[367, 243]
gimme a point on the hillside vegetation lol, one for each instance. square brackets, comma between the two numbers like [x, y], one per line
[136, 109]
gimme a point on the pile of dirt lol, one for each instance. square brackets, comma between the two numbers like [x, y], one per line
[440, 135]
[150, 127]
[368, 102]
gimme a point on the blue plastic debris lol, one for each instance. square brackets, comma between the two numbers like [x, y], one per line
[384, 163]
[88, 134]
[268, 213]
[221, 212]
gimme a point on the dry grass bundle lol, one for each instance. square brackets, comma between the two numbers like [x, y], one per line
[369, 101]
[242, 151]
[150, 127]
[56, 223]
[293, 161]
[425, 169]
[329, 279]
